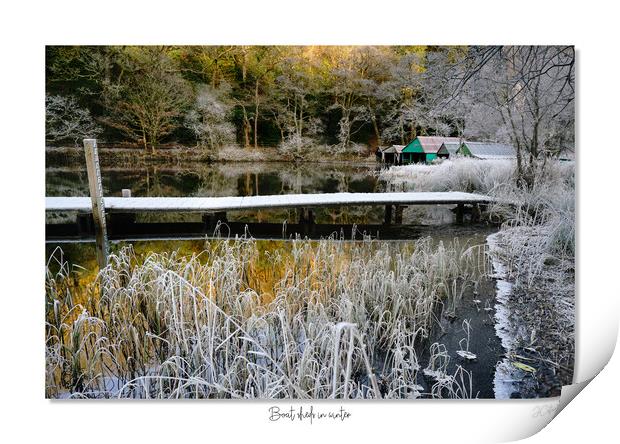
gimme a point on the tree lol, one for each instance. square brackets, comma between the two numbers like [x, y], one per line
[149, 97]
[66, 120]
[208, 118]
[258, 66]
[348, 90]
[294, 102]
[526, 93]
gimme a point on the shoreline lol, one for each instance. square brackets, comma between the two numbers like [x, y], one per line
[186, 156]
[530, 368]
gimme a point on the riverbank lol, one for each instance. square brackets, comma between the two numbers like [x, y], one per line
[136, 157]
[534, 262]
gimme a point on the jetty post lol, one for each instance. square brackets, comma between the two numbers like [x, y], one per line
[387, 219]
[96, 198]
[460, 213]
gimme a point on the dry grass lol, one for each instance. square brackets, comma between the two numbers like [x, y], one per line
[306, 319]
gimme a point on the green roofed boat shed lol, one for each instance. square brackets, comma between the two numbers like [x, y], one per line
[425, 148]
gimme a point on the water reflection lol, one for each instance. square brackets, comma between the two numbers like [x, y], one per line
[232, 179]
[222, 179]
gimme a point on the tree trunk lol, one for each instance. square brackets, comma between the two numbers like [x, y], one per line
[246, 128]
[256, 100]
[376, 129]
[246, 133]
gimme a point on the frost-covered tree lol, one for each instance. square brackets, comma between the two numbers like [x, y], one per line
[66, 121]
[414, 95]
[208, 117]
[294, 101]
[347, 77]
[520, 94]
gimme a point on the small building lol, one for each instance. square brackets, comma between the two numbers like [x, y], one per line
[448, 149]
[487, 150]
[425, 148]
[392, 154]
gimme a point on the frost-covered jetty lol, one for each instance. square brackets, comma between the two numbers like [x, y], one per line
[216, 204]
[122, 223]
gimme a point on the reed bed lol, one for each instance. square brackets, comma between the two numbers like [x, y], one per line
[304, 319]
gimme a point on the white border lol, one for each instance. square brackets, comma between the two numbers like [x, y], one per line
[27, 27]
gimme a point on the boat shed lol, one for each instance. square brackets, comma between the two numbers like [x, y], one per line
[487, 150]
[392, 154]
[425, 148]
[448, 149]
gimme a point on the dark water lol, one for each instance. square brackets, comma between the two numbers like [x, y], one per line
[222, 179]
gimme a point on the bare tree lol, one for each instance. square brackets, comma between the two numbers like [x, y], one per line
[149, 99]
[348, 90]
[525, 93]
[414, 93]
[208, 118]
[66, 120]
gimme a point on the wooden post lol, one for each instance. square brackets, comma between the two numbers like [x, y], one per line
[460, 212]
[388, 215]
[96, 198]
[122, 223]
[398, 217]
[475, 213]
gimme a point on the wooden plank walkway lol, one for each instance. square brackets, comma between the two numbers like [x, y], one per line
[213, 204]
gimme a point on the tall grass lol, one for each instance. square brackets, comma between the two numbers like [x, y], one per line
[546, 211]
[312, 319]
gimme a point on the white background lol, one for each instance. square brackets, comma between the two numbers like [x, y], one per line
[27, 27]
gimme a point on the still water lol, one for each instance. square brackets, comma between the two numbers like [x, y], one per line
[221, 179]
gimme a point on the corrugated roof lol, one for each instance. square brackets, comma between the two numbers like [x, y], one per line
[393, 149]
[431, 144]
[491, 150]
[451, 147]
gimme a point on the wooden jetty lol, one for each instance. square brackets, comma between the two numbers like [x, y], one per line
[219, 204]
[121, 212]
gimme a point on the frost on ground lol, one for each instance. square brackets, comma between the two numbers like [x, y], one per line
[533, 256]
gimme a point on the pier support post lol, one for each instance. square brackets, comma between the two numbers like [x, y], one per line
[388, 215]
[475, 213]
[210, 220]
[398, 216]
[460, 211]
[122, 223]
[84, 222]
[96, 198]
